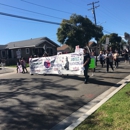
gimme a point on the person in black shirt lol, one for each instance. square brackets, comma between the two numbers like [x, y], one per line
[109, 60]
[86, 64]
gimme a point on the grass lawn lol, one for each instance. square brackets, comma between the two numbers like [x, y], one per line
[15, 65]
[113, 115]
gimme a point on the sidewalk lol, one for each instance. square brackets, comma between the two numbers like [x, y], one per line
[6, 70]
[9, 70]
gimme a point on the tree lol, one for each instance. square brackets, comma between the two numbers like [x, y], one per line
[78, 30]
[127, 37]
[103, 39]
[123, 43]
[114, 40]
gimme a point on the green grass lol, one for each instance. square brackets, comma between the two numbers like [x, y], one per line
[15, 65]
[113, 115]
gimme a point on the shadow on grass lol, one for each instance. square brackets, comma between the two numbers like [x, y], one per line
[92, 122]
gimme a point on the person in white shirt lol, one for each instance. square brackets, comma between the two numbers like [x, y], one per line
[116, 58]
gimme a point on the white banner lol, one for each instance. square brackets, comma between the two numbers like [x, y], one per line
[59, 64]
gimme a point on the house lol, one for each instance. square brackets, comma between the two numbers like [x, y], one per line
[66, 49]
[3, 54]
[63, 49]
[26, 48]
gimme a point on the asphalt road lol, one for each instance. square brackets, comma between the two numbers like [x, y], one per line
[40, 102]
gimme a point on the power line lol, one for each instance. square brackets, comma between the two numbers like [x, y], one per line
[114, 16]
[45, 7]
[74, 3]
[107, 12]
[106, 31]
[30, 11]
[49, 7]
[27, 18]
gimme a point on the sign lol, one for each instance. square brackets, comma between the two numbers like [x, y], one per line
[59, 64]
[18, 53]
[77, 49]
[107, 40]
[105, 46]
[92, 64]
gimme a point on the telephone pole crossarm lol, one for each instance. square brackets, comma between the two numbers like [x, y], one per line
[93, 9]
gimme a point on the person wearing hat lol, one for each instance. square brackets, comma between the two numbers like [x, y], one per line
[86, 63]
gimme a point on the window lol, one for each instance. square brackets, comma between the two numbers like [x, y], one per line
[3, 53]
[49, 51]
[27, 51]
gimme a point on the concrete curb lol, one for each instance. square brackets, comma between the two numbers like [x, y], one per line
[93, 109]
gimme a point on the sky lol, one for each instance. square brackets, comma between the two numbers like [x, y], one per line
[113, 15]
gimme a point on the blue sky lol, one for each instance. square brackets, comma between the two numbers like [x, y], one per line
[113, 15]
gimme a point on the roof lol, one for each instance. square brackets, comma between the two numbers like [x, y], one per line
[62, 47]
[2, 47]
[91, 44]
[30, 43]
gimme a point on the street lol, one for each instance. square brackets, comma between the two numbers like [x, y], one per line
[37, 102]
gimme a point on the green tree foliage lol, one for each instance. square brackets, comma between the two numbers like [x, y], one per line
[78, 30]
[123, 43]
[127, 36]
[103, 39]
[114, 39]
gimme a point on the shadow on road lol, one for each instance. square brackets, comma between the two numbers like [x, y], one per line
[29, 107]
[98, 81]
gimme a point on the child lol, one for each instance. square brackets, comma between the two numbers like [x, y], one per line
[18, 66]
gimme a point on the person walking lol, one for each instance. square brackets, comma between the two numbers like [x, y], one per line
[23, 65]
[109, 60]
[86, 63]
[18, 66]
[116, 59]
[126, 56]
[101, 58]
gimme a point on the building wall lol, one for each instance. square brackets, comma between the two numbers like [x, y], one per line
[3, 54]
[51, 49]
[11, 55]
[67, 50]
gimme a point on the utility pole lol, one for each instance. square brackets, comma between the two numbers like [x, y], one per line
[93, 11]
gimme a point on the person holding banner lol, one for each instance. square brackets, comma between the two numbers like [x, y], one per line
[86, 64]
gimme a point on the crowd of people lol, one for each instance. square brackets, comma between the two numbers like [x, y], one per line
[111, 59]
[107, 58]
[22, 64]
